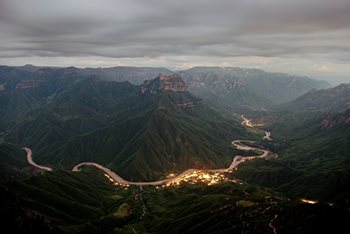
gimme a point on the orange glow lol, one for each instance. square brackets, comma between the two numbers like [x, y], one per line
[308, 201]
[171, 175]
[198, 176]
[208, 178]
[109, 178]
[114, 182]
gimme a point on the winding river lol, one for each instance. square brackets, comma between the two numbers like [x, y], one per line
[238, 144]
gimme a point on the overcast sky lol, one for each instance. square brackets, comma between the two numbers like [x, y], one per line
[310, 37]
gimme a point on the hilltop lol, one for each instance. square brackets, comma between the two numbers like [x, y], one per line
[143, 132]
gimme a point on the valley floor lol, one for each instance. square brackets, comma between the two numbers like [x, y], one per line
[238, 144]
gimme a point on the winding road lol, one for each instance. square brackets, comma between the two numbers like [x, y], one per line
[267, 136]
[235, 162]
[248, 123]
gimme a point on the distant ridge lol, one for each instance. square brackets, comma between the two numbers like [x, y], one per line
[232, 89]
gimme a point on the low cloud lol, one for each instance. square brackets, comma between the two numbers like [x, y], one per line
[158, 29]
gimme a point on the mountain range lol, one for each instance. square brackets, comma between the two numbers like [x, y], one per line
[312, 138]
[238, 89]
[246, 90]
[143, 132]
[147, 123]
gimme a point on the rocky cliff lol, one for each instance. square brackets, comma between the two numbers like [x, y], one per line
[332, 121]
[173, 83]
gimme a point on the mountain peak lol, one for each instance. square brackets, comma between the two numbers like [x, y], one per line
[345, 87]
[173, 83]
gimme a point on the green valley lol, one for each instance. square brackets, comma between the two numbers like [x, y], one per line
[154, 129]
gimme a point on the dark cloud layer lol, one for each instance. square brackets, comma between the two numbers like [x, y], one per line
[158, 28]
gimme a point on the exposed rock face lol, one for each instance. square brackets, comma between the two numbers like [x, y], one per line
[342, 119]
[2, 87]
[27, 84]
[248, 87]
[173, 83]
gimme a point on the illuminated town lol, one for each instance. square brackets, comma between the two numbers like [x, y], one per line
[116, 183]
[308, 201]
[190, 176]
[194, 177]
[249, 123]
